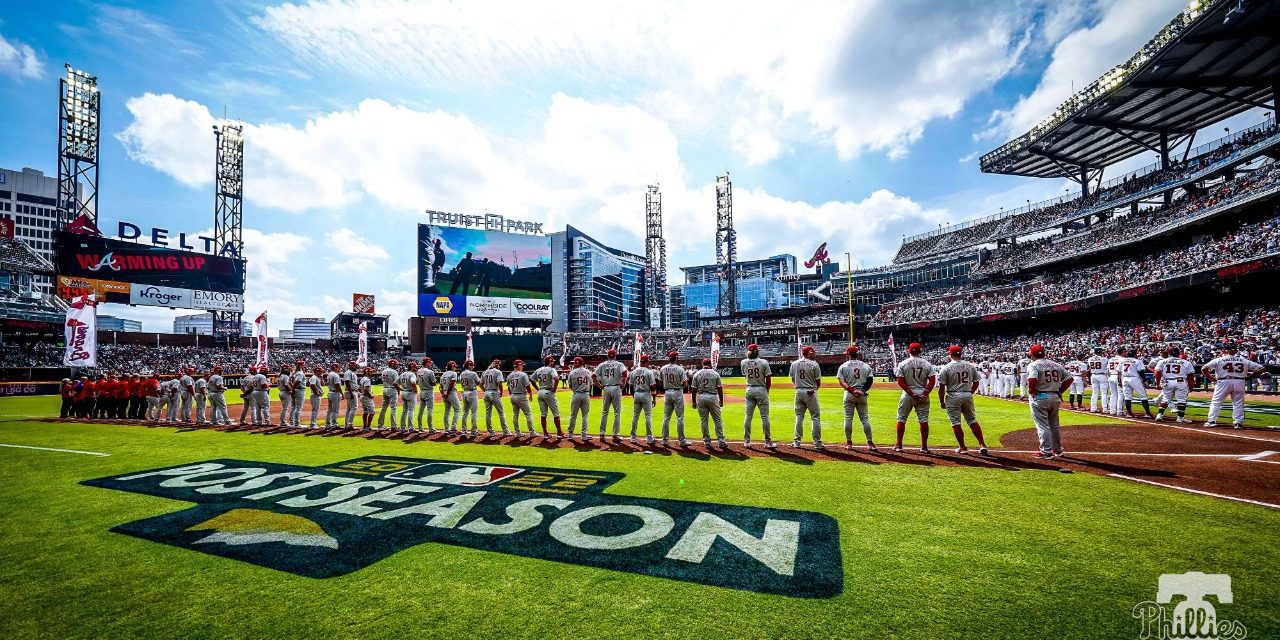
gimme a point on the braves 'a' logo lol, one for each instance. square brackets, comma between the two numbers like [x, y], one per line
[819, 257]
[107, 261]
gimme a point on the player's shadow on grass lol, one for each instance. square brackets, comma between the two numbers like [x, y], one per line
[1122, 469]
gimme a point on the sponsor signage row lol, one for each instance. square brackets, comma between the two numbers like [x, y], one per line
[446, 306]
[153, 296]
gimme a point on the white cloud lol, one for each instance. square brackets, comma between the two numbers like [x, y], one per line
[171, 135]
[1083, 56]
[19, 60]
[351, 253]
[839, 72]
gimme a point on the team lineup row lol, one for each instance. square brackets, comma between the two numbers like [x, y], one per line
[409, 394]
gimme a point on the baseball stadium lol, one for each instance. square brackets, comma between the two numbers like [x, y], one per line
[1053, 411]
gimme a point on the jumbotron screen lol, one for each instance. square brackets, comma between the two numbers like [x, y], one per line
[483, 274]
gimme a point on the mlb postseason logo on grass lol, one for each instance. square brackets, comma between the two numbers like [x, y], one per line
[1193, 617]
[330, 520]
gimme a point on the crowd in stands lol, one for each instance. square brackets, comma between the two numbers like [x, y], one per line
[972, 299]
[143, 359]
[1057, 212]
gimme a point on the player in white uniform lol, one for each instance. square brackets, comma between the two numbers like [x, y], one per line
[1097, 364]
[547, 381]
[1022, 377]
[333, 380]
[709, 397]
[1008, 379]
[469, 380]
[449, 396]
[984, 377]
[299, 393]
[218, 398]
[1048, 380]
[759, 377]
[856, 378]
[806, 375]
[390, 392]
[673, 379]
[351, 391]
[1174, 377]
[916, 379]
[427, 396]
[1130, 377]
[1229, 373]
[317, 392]
[643, 383]
[519, 386]
[492, 380]
[366, 399]
[407, 383]
[580, 402]
[611, 375]
[957, 381]
[1078, 370]
[1113, 384]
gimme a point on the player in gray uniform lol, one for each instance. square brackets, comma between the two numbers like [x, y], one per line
[956, 383]
[187, 391]
[1048, 380]
[201, 396]
[284, 383]
[580, 402]
[915, 378]
[806, 375]
[390, 392]
[407, 383]
[673, 379]
[610, 375]
[426, 396]
[709, 396]
[299, 384]
[366, 399]
[492, 380]
[449, 396]
[856, 378]
[175, 389]
[518, 385]
[469, 380]
[643, 382]
[547, 381]
[759, 377]
[333, 380]
[317, 391]
[262, 396]
[1174, 376]
[246, 397]
[351, 391]
[1022, 377]
[218, 398]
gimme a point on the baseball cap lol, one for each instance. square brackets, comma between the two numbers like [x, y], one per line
[392, 362]
[808, 349]
[549, 359]
[352, 363]
[644, 357]
[1036, 350]
[851, 350]
[577, 359]
[518, 363]
[612, 352]
[672, 355]
[914, 346]
[706, 362]
[955, 349]
[753, 347]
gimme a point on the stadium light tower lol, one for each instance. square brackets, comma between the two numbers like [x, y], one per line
[79, 111]
[655, 255]
[228, 207]
[726, 247]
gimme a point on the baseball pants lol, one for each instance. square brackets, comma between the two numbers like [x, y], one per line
[218, 409]
[611, 398]
[1223, 389]
[672, 403]
[315, 409]
[807, 402]
[199, 402]
[1077, 385]
[389, 400]
[407, 400]
[185, 410]
[1098, 399]
[1006, 386]
[493, 400]
[295, 418]
[469, 408]
[1113, 396]
[452, 412]
[579, 403]
[352, 405]
[171, 415]
[757, 398]
[547, 401]
[262, 407]
[153, 408]
[960, 409]
[856, 404]
[709, 407]
[1022, 384]
[366, 406]
[642, 402]
[1044, 413]
[1133, 390]
[1174, 393]
[332, 410]
[520, 405]
[921, 407]
[426, 404]
[286, 406]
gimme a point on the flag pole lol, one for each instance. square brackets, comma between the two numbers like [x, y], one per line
[849, 292]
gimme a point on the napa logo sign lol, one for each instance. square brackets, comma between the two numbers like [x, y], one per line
[331, 520]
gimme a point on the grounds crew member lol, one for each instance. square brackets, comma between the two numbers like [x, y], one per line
[610, 375]
[759, 377]
[518, 385]
[710, 395]
[315, 384]
[806, 375]
[426, 396]
[580, 401]
[547, 381]
[915, 378]
[407, 382]
[956, 383]
[333, 380]
[449, 396]
[856, 378]
[1048, 380]
[469, 380]
[298, 382]
[492, 380]
[674, 380]
[390, 392]
[218, 398]
[643, 382]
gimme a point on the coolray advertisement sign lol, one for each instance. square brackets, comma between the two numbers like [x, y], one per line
[363, 303]
[526, 309]
[329, 520]
[69, 288]
[494, 268]
[217, 301]
[153, 296]
[86, 256]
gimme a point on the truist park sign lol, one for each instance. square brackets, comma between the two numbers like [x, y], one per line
[487, 222]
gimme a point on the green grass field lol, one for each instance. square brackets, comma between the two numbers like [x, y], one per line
[926, 551]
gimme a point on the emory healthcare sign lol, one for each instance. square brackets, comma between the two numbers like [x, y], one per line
[334, 519]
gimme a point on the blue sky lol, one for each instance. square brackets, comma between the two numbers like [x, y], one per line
[852, 123]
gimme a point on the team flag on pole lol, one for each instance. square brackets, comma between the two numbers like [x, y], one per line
[892, 351]
[639, 350]
[260, 331]
[564, 349]
[363, 358]
[82, 333]
[715, 350]
[799, 345]
[471, 353]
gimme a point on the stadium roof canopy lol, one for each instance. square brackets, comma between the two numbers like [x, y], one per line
[1215, 59]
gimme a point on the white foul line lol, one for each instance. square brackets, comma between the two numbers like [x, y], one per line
[23, 446]
[1195, 491]
[1259, 456]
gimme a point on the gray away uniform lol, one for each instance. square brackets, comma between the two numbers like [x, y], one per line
[757, 371]
[958, 377]
[492, 380]
[218, 400]
[449, 395]
[390, 396]
[916, 372]
[351, 391]
[426, 398]
[673, 378]
[707, 382]
[807, 376]
[1045, 401]
[333, 380]
[642, 380]
[580, 402]
[518, 384]
[611, 374]
[546, 379]
[469, 380]
[408, 385]
[856, 374]
[299, 379]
